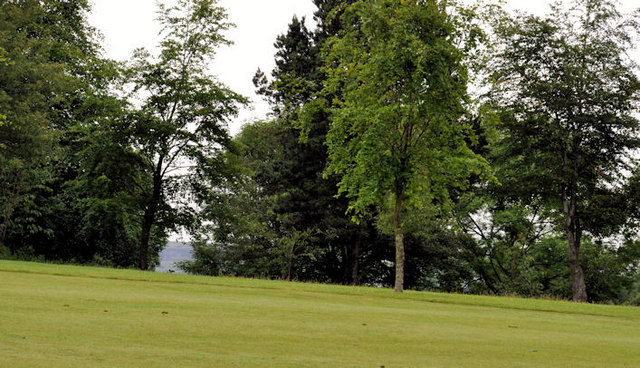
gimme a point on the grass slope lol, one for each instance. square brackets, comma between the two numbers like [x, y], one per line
[65, 316]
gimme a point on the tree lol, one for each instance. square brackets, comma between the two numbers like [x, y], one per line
[276, 218]
[180, 126]
[279, 218]
[397, 138]
[241, 239]
[63, 141]
[567, 92]
[328, 18]
[43, 47]
[301, 201]
[104, 184]
[296, 76]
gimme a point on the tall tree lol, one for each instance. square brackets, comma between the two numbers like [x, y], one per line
[397, 138]
[568, 91]
[296, 75]
[304, 202]
[295, 227]
[44, 46]
[104, 184]
[180, 126]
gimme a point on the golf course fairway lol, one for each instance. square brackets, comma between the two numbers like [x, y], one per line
[68, 316]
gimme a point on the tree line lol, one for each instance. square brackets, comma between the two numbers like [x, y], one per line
[428, 145]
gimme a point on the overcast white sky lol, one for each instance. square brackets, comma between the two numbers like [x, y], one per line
[129, 24]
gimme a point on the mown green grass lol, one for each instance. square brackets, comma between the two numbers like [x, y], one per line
[65, 316]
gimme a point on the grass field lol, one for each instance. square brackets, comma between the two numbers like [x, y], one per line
[64, 316]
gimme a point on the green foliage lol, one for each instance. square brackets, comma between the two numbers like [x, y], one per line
[398, 125]
[634, 294]
[436, 262]
[518, 248]
[206, 260]
[397, 139]
[296, 76]
[567, 91]
[42, 46]
[71, 199]
[179, 130]
[109, 180]
[282, 220]
[239, 242]
[611, 270]
[277, 219]
[375, 100]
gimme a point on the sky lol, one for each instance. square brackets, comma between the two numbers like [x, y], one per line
[129, 24]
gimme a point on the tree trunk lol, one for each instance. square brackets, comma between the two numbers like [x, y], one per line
[3, 229]
[10, 205]
[290, 262]
[399, 241]
[577, 274]
[150, 217]
[147, 224]
[355, 255]
[345, 263]
[573, 231]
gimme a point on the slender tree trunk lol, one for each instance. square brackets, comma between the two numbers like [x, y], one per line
[9, 207]
[350, 259]
[399, 241]
[355, 258]
[147, 224]
[345, 263]
[577, 274]
[3, 230]
[150, 218]
[573, 231]
[290, 261]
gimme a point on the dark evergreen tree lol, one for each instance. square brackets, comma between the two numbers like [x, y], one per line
[308, 229]
[306, 201]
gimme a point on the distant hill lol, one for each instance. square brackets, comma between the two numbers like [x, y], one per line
[174, 252]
